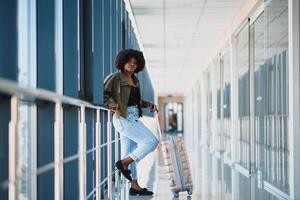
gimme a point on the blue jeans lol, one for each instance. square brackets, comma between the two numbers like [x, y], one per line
[137, 140]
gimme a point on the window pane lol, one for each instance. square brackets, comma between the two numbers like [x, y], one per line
[243, 96]
[276, 74]
[209, 110]
[225, 64]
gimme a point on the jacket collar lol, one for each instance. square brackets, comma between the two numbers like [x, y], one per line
[123, 81]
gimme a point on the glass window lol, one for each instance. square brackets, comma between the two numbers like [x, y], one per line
[226, 87]
[276, 74]
[209, 110]
[174, 117]
[219, 106]
[243, 96]
[270, 46]
[260, 86]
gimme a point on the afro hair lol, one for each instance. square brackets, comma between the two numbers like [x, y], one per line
[124, 57]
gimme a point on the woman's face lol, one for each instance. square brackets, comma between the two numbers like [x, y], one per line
[131, 65]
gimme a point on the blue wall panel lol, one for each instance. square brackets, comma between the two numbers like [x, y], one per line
[127, 31]
[98, 53]
[71, 129]
[114, 49]
[87, 49]
[147, 91]
[46, 44]
[107, 37]
[8, 39]
[45, 186]
[90, 132]
[118, 24]
[71, 54]
[123, 25]
[71, 88]
[4, 119]
[45, 148]
[71, 187]
[103, 149]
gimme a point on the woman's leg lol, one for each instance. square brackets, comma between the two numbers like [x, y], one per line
[128, 146]
[140, 134]
[137, 132]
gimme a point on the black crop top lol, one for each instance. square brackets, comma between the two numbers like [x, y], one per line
[135, 96]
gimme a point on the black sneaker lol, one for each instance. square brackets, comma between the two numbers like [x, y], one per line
[125, 173]
[142, 192]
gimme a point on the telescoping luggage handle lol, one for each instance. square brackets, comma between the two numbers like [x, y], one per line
[157, 123]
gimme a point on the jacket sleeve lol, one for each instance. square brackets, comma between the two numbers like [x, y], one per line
[109, 101]
[145, 103]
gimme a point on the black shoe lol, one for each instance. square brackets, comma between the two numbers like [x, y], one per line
[125, 173]
[142, 192]
[145, 189]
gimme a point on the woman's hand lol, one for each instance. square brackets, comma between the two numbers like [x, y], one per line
[153, 108]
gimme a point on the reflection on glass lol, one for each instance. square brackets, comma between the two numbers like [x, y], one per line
[269, 129]
[225, 64]
[209, 110]
[218, 145]
[244, 191]
[243, 97]
[276, 73]
[218, 180]
[260, 87]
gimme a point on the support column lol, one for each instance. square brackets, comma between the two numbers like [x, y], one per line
[234, 117]
[116, 159]
[58, 152]
[12, 149]
[82, 155]
[98, 155]
[294, 99]
[109, 154]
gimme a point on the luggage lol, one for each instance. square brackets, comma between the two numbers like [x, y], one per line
[178, 169]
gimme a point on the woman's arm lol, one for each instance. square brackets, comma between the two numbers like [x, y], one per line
[109, 102]
[146, 104]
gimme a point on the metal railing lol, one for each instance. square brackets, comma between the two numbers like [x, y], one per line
[18, 94]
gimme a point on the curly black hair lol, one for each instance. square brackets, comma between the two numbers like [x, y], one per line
[126, 54]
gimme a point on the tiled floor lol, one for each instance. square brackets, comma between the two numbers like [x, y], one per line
[215, 180]
[153, 177]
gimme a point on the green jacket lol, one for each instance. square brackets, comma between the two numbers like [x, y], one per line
[117, 91]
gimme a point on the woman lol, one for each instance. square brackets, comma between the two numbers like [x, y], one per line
[122, 94]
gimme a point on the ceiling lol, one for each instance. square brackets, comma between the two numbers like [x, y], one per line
[179, 37]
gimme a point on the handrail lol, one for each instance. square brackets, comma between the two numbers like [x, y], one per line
[19, 93]
[26, 93]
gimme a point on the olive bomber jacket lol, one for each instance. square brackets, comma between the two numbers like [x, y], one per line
[117, 92]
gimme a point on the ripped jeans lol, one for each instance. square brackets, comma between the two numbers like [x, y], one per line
[137, 140]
